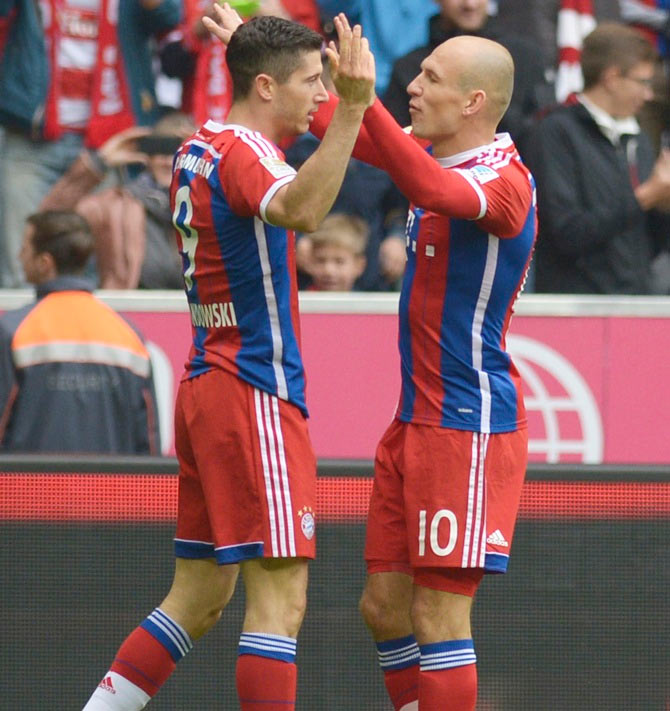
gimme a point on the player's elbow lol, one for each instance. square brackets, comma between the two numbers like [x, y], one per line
[307, 223]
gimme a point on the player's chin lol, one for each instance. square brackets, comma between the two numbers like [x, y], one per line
[304, 125]
[416, 126]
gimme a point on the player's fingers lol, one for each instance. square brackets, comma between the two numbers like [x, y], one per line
[356, 48]
[344, 36]
[367, 58]
[344, 20]
[333, 58]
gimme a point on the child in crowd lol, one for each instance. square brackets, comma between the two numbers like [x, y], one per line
[334, 255]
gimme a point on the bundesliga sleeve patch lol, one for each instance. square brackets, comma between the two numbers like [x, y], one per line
[482, 173]
[276, 167]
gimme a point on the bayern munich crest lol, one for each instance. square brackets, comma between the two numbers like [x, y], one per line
[307, 524]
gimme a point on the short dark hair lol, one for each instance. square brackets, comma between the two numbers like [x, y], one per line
[612, 44]
[267, 45]
[65, 235]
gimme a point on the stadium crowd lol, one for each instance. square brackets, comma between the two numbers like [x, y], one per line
[93, 106]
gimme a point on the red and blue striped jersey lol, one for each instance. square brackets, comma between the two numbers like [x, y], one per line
[458, 292]
[239, 270]
[470, 234]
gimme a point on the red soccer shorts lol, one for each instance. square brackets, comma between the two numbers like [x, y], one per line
[444, 498]
[247, 473]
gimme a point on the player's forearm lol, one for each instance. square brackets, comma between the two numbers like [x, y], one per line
[310, 196]
[364, 148]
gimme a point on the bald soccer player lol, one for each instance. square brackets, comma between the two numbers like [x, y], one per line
[450, 468]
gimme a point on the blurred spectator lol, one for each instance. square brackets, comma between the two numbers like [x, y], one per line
[471, 17]
[74, 376]
[334, 255]
[653, 18]
[598, 184]
[192, 55]
[393, 28]
[71, 72]
[539, 19]
[132, 224]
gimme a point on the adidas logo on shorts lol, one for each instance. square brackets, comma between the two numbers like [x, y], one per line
[497, 539]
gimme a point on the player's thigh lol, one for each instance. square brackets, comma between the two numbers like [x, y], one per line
[276, 594]
[386, 547]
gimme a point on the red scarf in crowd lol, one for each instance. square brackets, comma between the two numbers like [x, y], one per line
[111, 109]
[209, 92]
[575, 21]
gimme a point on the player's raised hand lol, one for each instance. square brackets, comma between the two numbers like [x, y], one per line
[225, 22]
[353, 65]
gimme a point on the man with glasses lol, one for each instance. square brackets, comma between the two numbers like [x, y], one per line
[599, 185]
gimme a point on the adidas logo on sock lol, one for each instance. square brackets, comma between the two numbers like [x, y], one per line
[107, 685]
[497, 539]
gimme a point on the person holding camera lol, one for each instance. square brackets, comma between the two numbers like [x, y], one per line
[131, 221]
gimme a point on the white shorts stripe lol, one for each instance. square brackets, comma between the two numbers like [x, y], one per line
[266, 471]
[273, 475]
[286, 488]
[467, 535]
[274, 472]
[479, 505]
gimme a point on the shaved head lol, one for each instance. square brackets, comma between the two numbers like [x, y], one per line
[482, 65]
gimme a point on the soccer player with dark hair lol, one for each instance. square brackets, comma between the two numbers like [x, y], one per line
[247, 478]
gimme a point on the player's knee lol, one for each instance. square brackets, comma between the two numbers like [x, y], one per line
[379, 613]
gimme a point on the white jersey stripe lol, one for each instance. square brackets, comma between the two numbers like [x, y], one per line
[483, 204]
[477, 325]
[266, 471]
[271, 193]
[274, 470]
[273, 310]
[269, 147]
[206, 146]
[467, 535]
[286, 488]
[260, 147]
[260, 151]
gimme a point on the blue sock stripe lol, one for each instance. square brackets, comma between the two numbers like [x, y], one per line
[169, 634]
[447, 655]
[268, 645]
[178, 631]
[398, 653]
[393, 644]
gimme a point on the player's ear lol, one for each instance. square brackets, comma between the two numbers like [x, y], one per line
[265, 86]
[475, 101]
